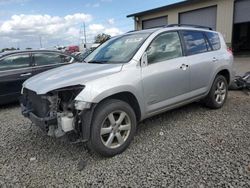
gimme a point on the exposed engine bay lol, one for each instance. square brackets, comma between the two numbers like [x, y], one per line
[57, 112]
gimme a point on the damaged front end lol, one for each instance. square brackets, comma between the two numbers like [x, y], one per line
[56, 112]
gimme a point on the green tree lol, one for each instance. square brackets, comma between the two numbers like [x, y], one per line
[9, 49]
[101, 38]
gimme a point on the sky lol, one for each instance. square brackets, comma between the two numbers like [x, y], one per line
[24, 23]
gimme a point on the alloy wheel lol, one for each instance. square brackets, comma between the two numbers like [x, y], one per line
[115, 129]
[220, 92]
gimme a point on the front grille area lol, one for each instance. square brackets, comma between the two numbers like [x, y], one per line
[39, 105]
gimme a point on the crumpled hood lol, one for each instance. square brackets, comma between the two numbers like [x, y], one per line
[69, 75]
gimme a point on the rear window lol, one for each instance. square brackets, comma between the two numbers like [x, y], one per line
[42, 59]
[195, 42]
[214, 40]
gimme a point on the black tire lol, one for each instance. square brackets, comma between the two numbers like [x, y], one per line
[102, 111]
[210, 100]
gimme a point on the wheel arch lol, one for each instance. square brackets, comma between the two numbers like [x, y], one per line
[87, 115]
[226, 74]
[129, 98]
[224, 71]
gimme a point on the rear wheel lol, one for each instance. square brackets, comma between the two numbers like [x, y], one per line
[218, 93]
[113, 127]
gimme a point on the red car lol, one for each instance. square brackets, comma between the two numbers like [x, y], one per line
[72, 49]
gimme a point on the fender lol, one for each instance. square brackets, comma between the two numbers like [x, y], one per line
[87, 114]
[93, 95]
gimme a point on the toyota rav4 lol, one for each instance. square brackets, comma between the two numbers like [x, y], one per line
[127, 79]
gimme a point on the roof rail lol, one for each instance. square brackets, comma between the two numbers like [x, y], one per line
[131, 31]
[189, 25]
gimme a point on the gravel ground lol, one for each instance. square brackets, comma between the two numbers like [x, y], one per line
[188, 147]
[241, 65]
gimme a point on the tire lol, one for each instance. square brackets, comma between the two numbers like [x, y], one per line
[212, 100]
[113, 127]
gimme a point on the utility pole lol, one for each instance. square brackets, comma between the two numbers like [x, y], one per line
[18, 46]
[85, 39]
[40, 39]
[82, 36]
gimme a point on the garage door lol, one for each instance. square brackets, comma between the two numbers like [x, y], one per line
[156, 22]
[204, 17]
[242, 11]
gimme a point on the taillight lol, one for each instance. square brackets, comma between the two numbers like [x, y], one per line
[230, 50]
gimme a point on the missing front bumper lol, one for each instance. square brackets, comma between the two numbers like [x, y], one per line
[43, 123]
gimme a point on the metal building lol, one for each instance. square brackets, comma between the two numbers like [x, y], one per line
[230, 17]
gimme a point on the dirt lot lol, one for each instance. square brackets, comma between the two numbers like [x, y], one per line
[190, 147]
[241, 64]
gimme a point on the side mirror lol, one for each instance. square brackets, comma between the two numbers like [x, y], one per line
[144, 59]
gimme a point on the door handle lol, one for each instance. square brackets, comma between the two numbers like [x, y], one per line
[25, 74]
[183, 66]
[215, 59]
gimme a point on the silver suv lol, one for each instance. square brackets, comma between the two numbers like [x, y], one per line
[127, 79]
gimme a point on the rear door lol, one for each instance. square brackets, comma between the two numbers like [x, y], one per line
[14, 70]
[200, 58]
[43, 61]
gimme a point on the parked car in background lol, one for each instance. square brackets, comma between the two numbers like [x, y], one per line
[72, 49]
[127, 79]
[17, 66]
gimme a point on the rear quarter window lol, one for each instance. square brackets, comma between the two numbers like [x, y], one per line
[214, 40]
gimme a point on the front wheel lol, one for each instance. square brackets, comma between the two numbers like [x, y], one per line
[113, 127]
[218, 93]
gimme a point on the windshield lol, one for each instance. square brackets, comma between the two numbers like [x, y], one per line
[117, 50]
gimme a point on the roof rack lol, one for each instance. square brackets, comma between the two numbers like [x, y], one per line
[189, 25]
[130, 31]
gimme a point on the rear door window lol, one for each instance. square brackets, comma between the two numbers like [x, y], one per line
[42, 59]
[214, 40]
[195, 42]
[14, 62]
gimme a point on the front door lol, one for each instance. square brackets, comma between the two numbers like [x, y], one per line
[14, 70]
[166, 77]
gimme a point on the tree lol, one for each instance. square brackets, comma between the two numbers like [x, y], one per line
[9, 49]
[101, 38]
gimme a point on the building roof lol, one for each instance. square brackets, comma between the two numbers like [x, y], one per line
[182, 3]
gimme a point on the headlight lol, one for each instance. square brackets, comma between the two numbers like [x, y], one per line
[78, 88]
[80, 105]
